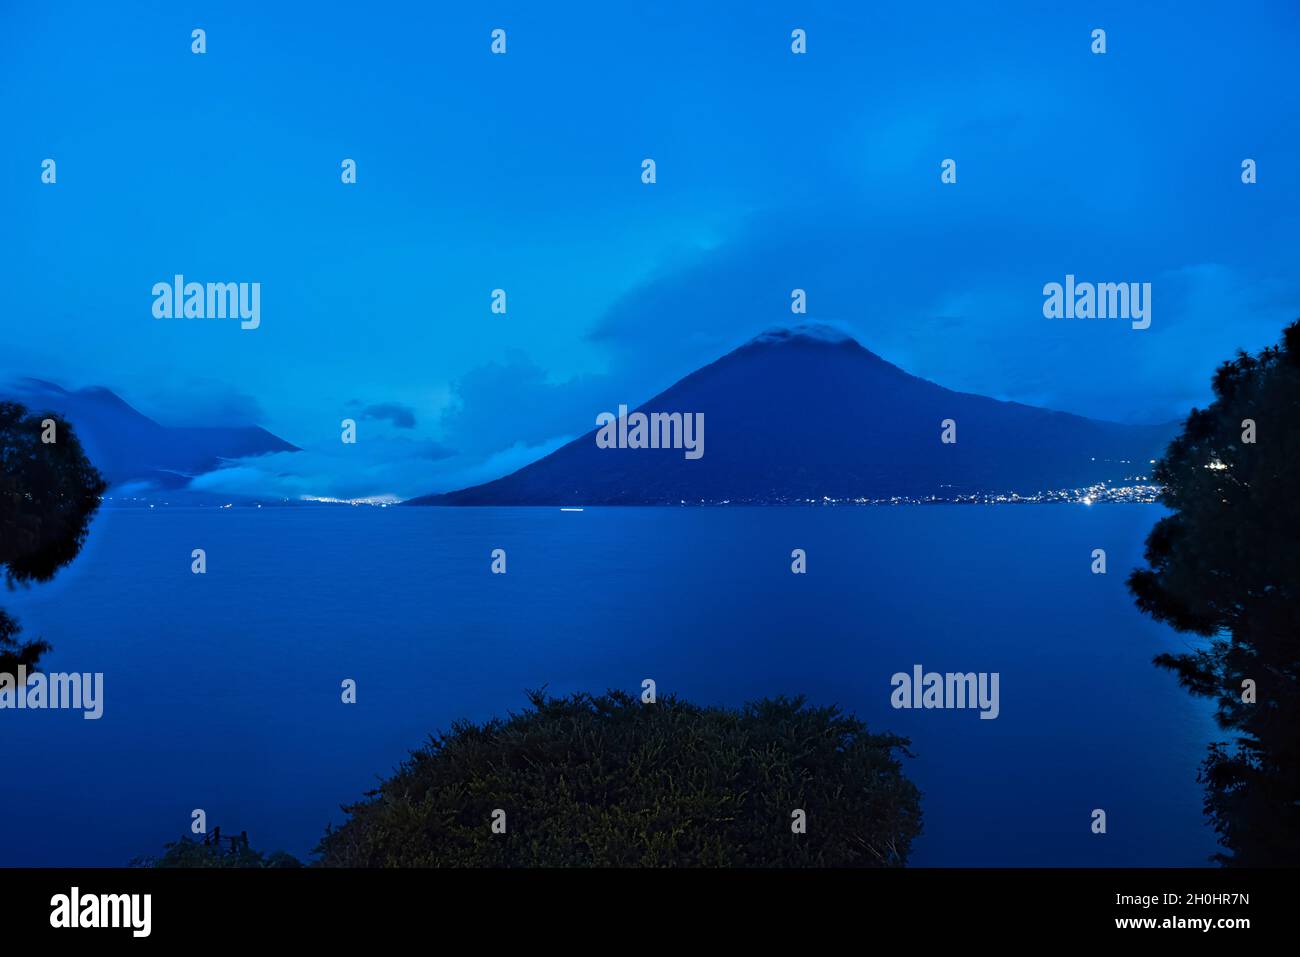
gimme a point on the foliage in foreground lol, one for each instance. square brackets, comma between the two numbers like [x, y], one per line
[49, 492]
[188, 853]
[1226, 565]
[609, 781]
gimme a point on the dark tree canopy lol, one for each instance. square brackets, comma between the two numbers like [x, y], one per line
[14, 654]
[206, 854]
[48, 493]
[609, 781]
[1226, 565]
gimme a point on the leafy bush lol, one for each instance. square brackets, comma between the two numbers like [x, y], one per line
[48, 494]
[194, 854]
[609, 781]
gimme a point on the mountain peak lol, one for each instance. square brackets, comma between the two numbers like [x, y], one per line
[821, 333]
[127, 446]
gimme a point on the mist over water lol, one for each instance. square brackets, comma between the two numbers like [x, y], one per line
[222, 691]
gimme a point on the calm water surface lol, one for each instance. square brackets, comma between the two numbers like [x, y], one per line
[222, 691]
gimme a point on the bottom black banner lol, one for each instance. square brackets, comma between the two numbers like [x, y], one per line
[304, 905]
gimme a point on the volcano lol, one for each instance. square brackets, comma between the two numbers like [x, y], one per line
[808, 414]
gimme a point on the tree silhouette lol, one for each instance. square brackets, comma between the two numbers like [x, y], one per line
[48, 493]
[610, 781]
[1226, 566]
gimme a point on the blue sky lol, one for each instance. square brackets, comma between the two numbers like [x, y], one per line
[522, 172]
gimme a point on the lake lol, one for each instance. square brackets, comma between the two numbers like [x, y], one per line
[222, 691]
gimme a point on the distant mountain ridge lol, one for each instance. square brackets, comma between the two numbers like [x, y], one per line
[808, 413]
[127, 446]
